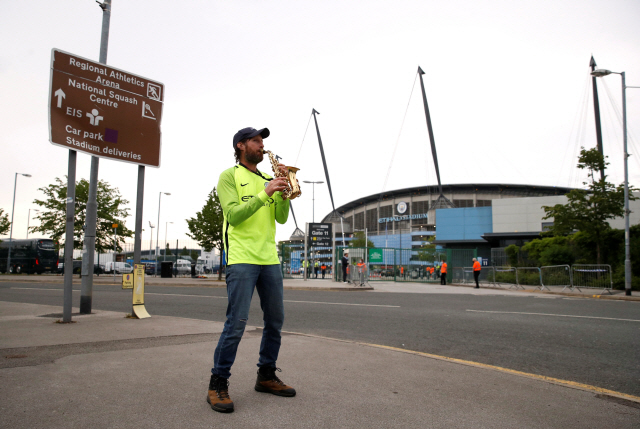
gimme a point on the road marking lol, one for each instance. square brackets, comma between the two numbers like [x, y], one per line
[224, 297]
[552, 380]
[555, 315]
[183, 294]
[343, 303]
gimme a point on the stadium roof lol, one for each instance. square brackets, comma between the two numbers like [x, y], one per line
[497, 188]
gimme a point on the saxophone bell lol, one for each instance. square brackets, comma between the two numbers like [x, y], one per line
[293, 189]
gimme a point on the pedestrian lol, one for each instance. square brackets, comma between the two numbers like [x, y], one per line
[476, 272]
[361, 269]
[316, 267]
[345, 263]
[323, 268]
[443, 273]
[251, 203]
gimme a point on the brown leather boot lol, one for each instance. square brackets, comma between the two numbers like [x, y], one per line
[268, 382]
[218, 395]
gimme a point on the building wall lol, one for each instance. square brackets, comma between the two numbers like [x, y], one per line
[526, 214]
[522, 214]
[463, 224]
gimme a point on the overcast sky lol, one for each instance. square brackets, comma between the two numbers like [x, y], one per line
[507, 83]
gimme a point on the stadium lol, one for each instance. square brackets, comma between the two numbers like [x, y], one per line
[479, 216]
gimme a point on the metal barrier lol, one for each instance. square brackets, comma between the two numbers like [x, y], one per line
[592, 276]
[457, 275]
[487, 276]
[506, 276]
[530, 276]
[557, 275]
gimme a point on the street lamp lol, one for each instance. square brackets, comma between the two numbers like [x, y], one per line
[158, 232]
[29, 218]
[627, 246]
[15, 182]
[164, 256]
[313, 199]
[151, 226]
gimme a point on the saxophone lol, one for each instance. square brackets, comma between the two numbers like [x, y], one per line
[293, 189]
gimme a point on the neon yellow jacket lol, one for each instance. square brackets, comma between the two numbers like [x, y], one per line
[250, 215]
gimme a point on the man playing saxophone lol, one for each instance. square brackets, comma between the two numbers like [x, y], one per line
[252, 204]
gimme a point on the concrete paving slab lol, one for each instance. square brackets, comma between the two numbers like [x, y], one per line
[154, 384]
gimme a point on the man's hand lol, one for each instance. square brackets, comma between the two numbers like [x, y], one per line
[278, 184]
[283, 170]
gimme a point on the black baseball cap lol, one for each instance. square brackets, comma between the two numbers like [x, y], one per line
[247, 133]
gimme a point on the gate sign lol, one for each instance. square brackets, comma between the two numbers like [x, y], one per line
[375, 255]
[320, 234]
[104, 111]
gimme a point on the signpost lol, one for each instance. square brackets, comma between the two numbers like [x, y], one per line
[320, 234]
[104, 111]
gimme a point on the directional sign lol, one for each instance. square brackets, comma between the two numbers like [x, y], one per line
[104, 111]
[320, 235]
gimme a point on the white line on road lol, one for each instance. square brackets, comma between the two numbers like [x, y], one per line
[183, 294]
[555, 315]
[224, 297]
[344, 303]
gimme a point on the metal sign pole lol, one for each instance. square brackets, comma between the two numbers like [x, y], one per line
[92, 204]
[137, 246]
[68, 243]
[306, 251]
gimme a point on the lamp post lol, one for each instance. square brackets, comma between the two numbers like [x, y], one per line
[29, 218]
[313, 198]
[151, 226]
[158, 232]
[627, 245]
[164, 257]
[15, 183]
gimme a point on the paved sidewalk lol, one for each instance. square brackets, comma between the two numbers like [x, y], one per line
[109, 371]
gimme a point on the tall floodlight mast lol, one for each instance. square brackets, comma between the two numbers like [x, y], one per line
[442, 201]
[596, 110]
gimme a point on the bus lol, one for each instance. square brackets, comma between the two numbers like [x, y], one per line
[34, 255]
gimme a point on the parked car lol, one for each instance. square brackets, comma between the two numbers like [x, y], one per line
[77, 268]
[149, 269]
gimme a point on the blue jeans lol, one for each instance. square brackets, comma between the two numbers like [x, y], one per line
[241, 281]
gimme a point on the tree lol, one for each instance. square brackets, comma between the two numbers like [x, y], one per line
[206, 226]
[358, 240]
[428, 251]
[4, 223]
[589, 210]
[167, 250]
[111, 210]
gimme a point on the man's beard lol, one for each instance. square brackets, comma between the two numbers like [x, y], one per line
[254, 157]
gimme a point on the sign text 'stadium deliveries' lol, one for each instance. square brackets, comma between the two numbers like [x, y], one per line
[103, 111]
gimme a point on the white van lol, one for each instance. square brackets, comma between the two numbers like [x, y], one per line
[119, 267]
[183, 266]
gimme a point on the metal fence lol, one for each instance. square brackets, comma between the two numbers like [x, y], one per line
[506, 276]
[557, 275]
[592, 276]
[487, 275]
[529, 276]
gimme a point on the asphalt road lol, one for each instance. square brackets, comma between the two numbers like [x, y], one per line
[596, 342]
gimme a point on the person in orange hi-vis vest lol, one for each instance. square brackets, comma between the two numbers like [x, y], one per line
[443, 273]
[323, 267]
[361, 269]
[476, 272]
